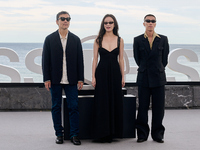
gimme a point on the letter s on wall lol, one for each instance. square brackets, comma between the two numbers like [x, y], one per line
[191, 73]
[31, 65]
[9, 71]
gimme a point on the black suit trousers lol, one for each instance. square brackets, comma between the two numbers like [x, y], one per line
[157, 96]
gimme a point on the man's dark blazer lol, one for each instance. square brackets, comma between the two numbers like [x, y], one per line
[52, 59]
[151, 71]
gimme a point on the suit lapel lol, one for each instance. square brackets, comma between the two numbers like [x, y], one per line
[146, 44]
[155, 43]
[68, 41]
[155, 46]
[58, 41]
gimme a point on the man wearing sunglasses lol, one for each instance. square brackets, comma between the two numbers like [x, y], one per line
[62, 65]
[151, 55]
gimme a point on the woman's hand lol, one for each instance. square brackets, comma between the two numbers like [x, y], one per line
[123, 82]
[94, 82]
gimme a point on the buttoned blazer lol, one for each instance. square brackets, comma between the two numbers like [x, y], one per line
[151, 62]
[52, 59]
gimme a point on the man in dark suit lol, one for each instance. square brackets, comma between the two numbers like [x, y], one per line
[151, 55]
[62, 65]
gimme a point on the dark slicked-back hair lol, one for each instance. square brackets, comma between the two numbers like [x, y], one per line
[149, 15]
[102, 30]
[60, 13]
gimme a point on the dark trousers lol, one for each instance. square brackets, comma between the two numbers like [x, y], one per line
[157, 94]
[72, 104]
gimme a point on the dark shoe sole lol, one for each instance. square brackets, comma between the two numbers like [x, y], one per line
[141, 140]
[159, 141]
[59, 142]
[76, 143]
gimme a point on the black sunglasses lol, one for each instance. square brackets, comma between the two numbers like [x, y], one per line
[148, 21]
[63, 18]
[111, 22]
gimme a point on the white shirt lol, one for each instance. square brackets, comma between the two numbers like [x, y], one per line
[64, 79]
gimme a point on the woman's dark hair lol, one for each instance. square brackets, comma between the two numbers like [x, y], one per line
[102, 30]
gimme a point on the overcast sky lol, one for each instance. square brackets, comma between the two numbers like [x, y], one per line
[32, 21]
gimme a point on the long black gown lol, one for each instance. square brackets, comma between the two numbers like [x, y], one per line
[108, 109]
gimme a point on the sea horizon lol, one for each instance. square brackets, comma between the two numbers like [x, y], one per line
[23, 48]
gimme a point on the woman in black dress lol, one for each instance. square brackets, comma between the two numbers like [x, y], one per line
[108, 80]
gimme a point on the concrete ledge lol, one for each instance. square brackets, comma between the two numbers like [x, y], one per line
[177, 96]
[38, 98]
[28, 98]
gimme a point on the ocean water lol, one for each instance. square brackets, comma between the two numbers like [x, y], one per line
[22, 50]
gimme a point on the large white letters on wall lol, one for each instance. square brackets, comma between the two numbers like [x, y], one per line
[30, 64]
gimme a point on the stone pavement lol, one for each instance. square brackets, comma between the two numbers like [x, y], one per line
[33, 131]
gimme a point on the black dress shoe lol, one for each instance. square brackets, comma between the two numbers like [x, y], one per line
[159, 141]
[141, 140]
[75, 140]
[59, 140]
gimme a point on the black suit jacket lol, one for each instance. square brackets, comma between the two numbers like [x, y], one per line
[52, 59]
[151, 71]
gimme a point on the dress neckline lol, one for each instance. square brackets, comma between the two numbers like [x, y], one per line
[108, 50]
